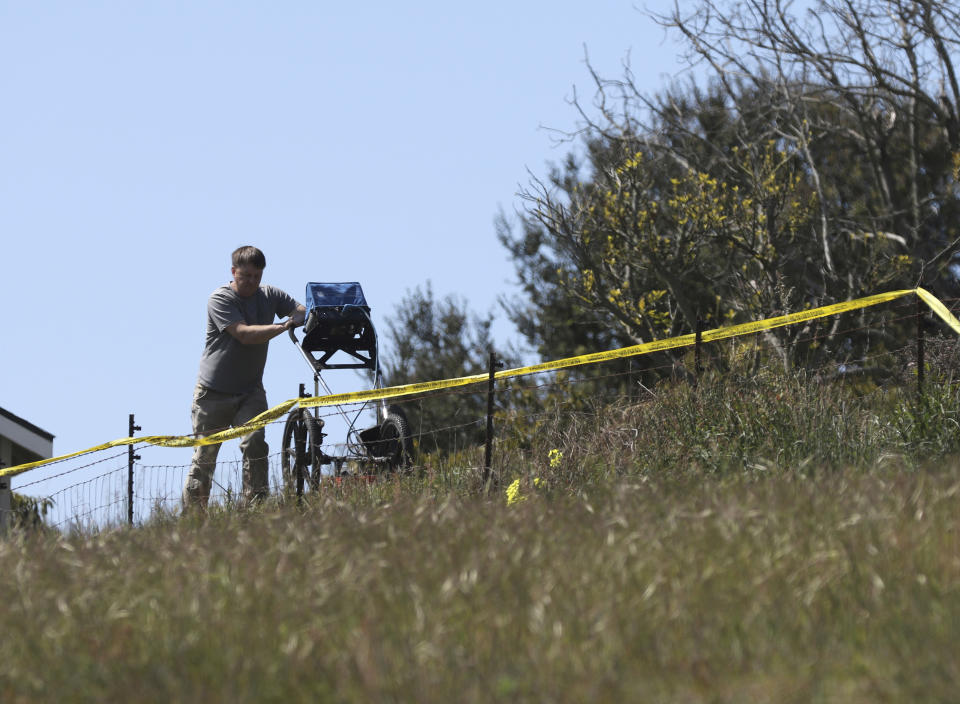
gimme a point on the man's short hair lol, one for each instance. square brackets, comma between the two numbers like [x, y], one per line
[249, 256]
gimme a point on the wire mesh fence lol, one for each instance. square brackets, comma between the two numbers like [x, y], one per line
[95, 491]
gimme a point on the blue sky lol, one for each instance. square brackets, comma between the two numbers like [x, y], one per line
[142, 142]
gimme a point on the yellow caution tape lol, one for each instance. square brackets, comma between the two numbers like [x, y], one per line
[632, 351]
[256, 423]
[20, 468]
[937, 307]
[277, 411]
[392, 391]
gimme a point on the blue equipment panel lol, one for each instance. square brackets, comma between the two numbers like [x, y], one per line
[322, 295]
[338, 320]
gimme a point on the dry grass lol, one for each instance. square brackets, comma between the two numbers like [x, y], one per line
[726, 565]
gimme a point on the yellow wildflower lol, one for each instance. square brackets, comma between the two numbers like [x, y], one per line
[513, 493]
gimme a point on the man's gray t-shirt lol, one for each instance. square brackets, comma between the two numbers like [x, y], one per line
[226, 364]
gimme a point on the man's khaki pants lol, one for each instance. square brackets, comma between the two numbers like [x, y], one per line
[216, 410]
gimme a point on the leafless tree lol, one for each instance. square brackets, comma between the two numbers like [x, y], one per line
[887, 67]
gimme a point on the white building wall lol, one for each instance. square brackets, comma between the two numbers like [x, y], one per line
[14, 432]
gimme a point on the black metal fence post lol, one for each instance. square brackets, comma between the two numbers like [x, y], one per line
[488, 452]
[130, 458]
[6, 503]
[920, 344]
[698, 340]
[300, 447]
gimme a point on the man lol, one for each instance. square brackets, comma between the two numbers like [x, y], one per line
[229, 392]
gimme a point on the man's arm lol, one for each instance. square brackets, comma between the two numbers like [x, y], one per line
[258, 334]
[299, 314]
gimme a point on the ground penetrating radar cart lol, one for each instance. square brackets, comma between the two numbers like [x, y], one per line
[338, 327]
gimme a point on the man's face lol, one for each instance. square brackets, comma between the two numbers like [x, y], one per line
[246, 280]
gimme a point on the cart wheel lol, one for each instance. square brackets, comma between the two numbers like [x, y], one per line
[395, 440]
[300, 455]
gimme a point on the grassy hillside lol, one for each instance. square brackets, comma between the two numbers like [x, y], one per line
[773, 540]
